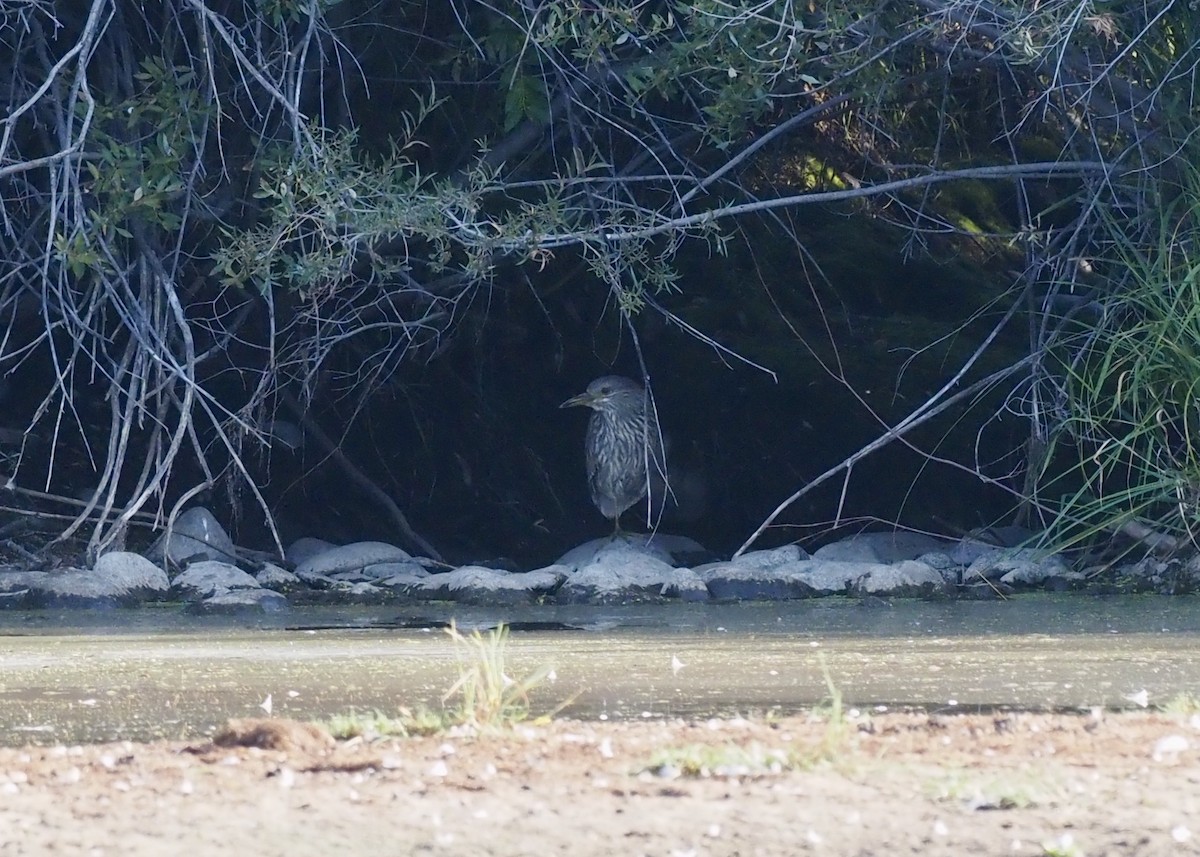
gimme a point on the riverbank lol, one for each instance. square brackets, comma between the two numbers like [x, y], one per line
[891, 783]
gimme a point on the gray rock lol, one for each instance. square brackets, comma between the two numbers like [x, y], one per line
[733, 581]
[907, 579]
[880, 547]
[764, 581]
[12, 599]
[950, 570]
[663, 546]
[625, 573]
[755, 560]
[352, 557]
[272, 576]
[1020, 566]
[682, 549]
[119, 579]
[196, 535]
[315, 580]
[304, 549]
[833, 577]
[361, 593]
[133, 572]
[15, 585]
[476, 584]
[773, 558]
[384, 570]
[238, 602]
[202, 580]
[404, 581]
[969, 549]
[1174, 576]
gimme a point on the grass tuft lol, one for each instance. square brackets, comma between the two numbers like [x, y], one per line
[488, 697]
[485, 696]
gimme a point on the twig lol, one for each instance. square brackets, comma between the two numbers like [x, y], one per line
[357, 476]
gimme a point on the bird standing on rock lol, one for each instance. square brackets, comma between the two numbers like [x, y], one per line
[624, 449]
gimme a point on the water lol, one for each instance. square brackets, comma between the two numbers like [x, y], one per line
[148, 673]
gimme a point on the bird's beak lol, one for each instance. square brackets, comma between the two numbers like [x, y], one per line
[583, 399]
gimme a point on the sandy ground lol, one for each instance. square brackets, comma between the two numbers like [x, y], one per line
[885, 784]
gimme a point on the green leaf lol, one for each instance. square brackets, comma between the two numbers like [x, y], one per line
[526, 99]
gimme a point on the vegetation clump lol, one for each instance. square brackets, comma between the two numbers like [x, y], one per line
[221, 217]
[486, 696]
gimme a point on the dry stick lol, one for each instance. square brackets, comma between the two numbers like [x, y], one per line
[912, 421]
[358, 477]
[7, 484]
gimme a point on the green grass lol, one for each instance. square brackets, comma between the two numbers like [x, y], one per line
[486, 696]
[1182, 704]
[1010, 790]
[372, 725]
[726, 760]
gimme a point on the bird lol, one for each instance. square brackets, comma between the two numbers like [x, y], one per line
[623, 449]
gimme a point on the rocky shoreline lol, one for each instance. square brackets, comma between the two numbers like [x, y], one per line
[198, 565]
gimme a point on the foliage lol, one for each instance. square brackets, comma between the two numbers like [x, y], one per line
[488, 696]
[322, 215]
[1131, 372]
[728, 760]
[483, 697]
[272, 192]
[375, 724]
[144, 146]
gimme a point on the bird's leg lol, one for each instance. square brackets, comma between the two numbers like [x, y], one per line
[617, 526]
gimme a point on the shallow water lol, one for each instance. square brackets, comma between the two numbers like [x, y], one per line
[153, 672]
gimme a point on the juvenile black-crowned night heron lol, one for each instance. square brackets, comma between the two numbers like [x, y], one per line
[623, 450]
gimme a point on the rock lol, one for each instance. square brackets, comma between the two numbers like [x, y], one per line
[272, 576]
[1174, 576]
[950, 570]
[237, 602]
[383, 570]
[772, 558]
[969, 549]
[361, 593]
[304, 549]
[834, 577]
[202, 580]
[760, 580]
[352, 557]
[403, 581]
[1019, 566]
[625, 572]
[17, 585]
[134, 572]
[12, 599]
[377, 574]
[907, 579]
[195, 536]
[475, 584]
[119, 579]
[682, 550]
[663, 546]
[880, 547]
[315, 580]
[809, 578]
